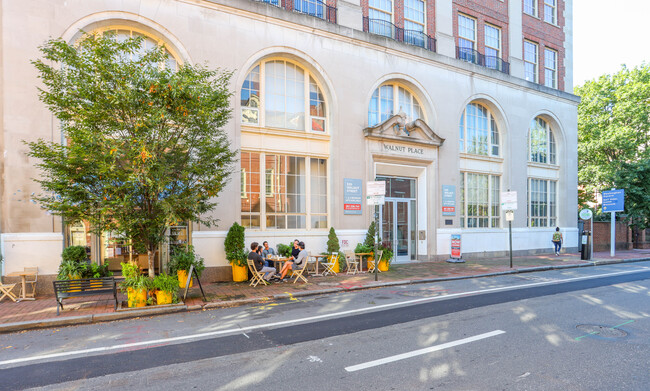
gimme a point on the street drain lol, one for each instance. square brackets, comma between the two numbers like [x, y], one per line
[601, 331]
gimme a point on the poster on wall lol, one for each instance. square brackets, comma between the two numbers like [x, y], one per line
[448, 200]
[352, 196]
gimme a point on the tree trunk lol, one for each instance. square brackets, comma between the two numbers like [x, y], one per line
[151, 254]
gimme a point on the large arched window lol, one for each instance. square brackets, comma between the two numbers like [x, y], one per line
[541, 143]
[479, 133]
[123, 33]
[390, 99]
[281, 94]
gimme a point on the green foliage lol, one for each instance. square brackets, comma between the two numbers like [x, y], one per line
[166, 283]
[130, 270]
[235, 246]
[613, 137]
[370, 235]
[137, 283]
[362, 248]
[285, 250]
[145, 145]
[94, 270]
[75, 254]
[332, 242]
[183, 259]
[70, 270]
[387, 254]
[635, 179]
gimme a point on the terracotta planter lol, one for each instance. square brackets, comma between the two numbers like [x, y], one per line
[239, 273]
[163, 297]
[137, 297]
[182, 278]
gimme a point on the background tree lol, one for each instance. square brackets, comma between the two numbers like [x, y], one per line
[614, 135]
[144, 148]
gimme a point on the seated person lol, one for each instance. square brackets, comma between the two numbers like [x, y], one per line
[295, 250]
[267, 253]
[299, 262]
[259, 262]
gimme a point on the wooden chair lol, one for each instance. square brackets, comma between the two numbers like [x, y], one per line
[371, 267]
[5, 289]
[329, 265]
[32, 282]
[297, 273]
[352, 262]
[312, 264]
[257, 276]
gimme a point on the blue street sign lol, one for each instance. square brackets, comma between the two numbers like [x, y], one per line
[613, 200]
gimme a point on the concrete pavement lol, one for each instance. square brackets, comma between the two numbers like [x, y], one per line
[42, 312]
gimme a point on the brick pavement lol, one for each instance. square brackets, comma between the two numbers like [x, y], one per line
[230, 293]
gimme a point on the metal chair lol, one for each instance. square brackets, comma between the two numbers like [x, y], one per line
[352, 262]
[329, 265]
[257, 276]
[31, 282]
[297, 273]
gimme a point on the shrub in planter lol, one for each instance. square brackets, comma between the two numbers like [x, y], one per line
[136, 288]
[236, 252]
[180, 264]
[166, 287]
[74, 262]
[284, 250]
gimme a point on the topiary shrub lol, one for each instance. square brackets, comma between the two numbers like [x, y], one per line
[370, 235]
[332, 242]
[235, 245]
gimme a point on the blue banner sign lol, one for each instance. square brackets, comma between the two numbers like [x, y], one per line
[448, 200]
[613, 200]
[352, 196]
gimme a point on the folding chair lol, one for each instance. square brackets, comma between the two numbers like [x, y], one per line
[31, 282]
[5, 289]
[352, 261]
[329, 265]
[371, 266]
[311, 264]
[257, 276]
[298, 274]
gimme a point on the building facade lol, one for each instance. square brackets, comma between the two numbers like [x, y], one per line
[450, 102]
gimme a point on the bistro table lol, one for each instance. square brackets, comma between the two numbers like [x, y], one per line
[361, 255]
[317, 257]
[23, 275]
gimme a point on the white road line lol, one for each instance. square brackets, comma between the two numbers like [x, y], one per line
[420, 352]
[303, 320]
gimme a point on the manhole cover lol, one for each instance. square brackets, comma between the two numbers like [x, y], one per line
[601, 331]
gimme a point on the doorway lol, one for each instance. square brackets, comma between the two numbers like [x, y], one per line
[398, 217]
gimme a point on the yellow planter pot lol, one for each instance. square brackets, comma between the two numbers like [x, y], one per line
[336, 266]
[163, 297]
[182, 279]
[383, 266]
[239, 273]
[137, 298]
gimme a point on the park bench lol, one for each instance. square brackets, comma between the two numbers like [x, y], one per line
[64, 289]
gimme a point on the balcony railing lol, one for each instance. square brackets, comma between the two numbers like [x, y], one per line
[315, 8]
[387, 29]
[473, 56]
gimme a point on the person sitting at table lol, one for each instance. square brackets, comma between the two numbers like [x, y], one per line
[258, 261]
[267, 252]
[295, 250]
[299, 262]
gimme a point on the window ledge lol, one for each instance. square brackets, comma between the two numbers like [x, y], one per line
[285, 132]
[544, 165]
[471, 156]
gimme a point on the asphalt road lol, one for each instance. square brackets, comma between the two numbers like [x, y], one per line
[577, 329]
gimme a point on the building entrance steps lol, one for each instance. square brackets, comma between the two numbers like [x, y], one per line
[42, 312]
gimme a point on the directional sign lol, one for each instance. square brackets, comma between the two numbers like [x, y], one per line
[613, 200]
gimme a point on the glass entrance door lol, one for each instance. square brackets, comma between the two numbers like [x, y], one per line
[398, 218]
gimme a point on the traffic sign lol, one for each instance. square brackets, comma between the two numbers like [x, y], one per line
[613, 200]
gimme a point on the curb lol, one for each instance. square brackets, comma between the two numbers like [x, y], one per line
[111, 316]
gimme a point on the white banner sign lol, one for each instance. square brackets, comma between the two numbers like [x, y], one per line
[375, 200]
[377, 188]
[509, 200]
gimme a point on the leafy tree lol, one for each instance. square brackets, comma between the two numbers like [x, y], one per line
[614, 135]
[144, 149]
[635, 179]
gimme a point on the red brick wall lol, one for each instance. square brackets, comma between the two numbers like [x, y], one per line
[602, 234]
[546, 35]
[494, 12]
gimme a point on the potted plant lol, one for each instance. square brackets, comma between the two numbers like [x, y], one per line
[166, 287]
[236, 252]
[136, 288]
[386, 257]
[181, 261]
[284, 250]
[368, 245]
[73, 263]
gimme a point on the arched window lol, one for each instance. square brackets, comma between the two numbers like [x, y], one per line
[479, 133]
[124, 33]
[541, 143]
[288, 96]
[383, 104]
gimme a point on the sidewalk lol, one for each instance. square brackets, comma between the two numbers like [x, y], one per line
[42, 312]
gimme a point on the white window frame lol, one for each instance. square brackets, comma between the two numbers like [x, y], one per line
[491, 126]
[307, 77]
[550, 12]
[423, 24]
[551, 145]
[497, 49]
[493, 202]
[377, 12]
[396, 102]
[533, 5]
[549, 218]
[550, 70]
[473, 39]
[535, 64]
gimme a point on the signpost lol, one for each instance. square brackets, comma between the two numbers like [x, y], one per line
[613, 201]
[375, 195]
[509, 205]
[586, 214]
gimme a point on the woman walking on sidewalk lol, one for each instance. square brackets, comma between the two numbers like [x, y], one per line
[557, 240]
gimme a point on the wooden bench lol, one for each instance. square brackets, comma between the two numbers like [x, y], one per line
[83, 287]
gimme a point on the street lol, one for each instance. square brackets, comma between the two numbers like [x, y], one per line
[575, 329]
